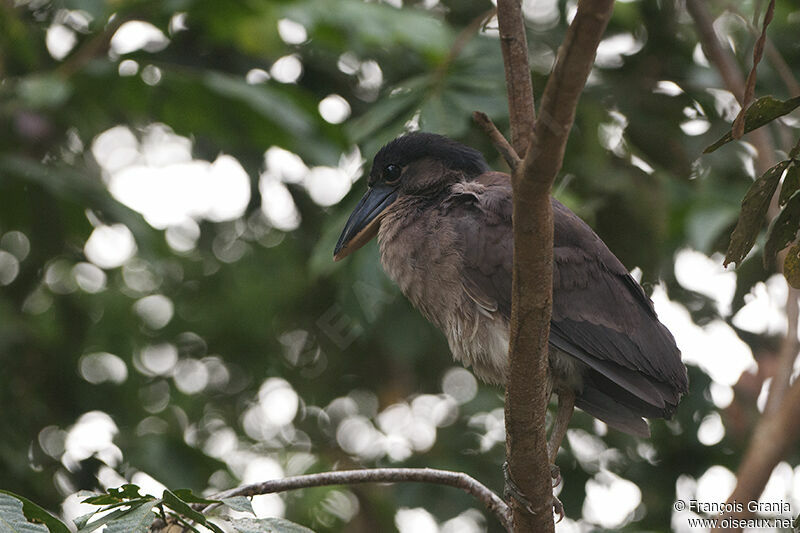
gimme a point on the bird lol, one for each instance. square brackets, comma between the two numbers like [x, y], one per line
[443, 220]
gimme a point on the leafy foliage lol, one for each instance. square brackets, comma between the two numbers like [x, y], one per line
[791, 266]
[270, 525]
[125, 510]
[754, 211]
[761, 112]
[20, 515]
[784, 227]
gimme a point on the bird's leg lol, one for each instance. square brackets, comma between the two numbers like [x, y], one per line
[566, 404]
[549, 387]
[555, 473]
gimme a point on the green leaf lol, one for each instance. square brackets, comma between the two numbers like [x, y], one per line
[754, 210]
[103, 499]
[263, 99]
[135, 520]
[760, 112]
[40, 91]
[189, 497]
[13, 507]
[127, 491]
[172, 501]
[376, 24]
[791, 183]
[82, 520]
[791, 269]
[87, 527]
[795, 152]
[268, 525]
[382, 112]
[440, 113]
[122, 503]
[239, 503]
[71, 184]
[783, 229]
[12, 519]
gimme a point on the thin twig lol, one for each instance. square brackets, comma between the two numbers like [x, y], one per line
[750, 85]
[458, 480]
[94, 47]
[514, 45]
[732, 78]
[498, 140]
[773, 54]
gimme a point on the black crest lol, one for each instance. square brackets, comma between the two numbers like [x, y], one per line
[418, 145]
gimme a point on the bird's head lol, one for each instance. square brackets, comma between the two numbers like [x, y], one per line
[418, 164]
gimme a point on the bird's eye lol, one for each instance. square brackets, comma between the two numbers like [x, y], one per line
[392, 173]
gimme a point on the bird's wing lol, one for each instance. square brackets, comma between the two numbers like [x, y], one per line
[481, 210]
[601, 315]
[601, 312]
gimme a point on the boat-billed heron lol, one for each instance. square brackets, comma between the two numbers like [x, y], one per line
[443, 221]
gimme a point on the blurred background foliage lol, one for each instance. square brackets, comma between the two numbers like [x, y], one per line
[174, 175]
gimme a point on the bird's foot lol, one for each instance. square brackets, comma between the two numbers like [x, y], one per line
[555, 474]
[558, 508]
[512, 490]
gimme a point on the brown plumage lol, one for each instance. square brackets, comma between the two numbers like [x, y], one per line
[443, 221]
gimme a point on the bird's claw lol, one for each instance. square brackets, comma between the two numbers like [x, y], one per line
[555, 474]
[512, 490]
[558, 508]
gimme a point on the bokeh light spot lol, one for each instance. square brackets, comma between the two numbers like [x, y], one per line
[459, 383]
[334, 109]
[138, 35]
[100, 367]
[110, 246]
[287, 69]
[155, 310]
[9, 268]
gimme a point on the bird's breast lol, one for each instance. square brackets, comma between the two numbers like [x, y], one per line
[423, 255]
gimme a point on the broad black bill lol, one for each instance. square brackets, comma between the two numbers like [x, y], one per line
[363, 223]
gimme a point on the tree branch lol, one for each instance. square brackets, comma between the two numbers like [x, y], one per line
[783, 69]
[774, 437]
[532, 286]
[786, 357]
[777, 429]
[719, 57]
[458, 480]
[500, 143]
[514, 45]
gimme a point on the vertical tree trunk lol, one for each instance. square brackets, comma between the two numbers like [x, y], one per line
[526, 401]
